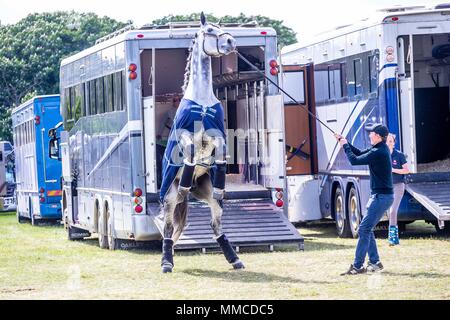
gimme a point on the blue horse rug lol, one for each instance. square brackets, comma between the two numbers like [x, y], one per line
[191, 117]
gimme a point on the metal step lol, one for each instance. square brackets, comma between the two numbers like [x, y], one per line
[246, 223]
[434, 196]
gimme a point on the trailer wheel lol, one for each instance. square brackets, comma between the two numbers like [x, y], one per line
[113, 243]
[102, 234]
[20, 219]
[342, 225]
[30, 208]
[34, 221]
[354, 211]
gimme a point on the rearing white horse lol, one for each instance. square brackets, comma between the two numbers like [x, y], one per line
[194, 161]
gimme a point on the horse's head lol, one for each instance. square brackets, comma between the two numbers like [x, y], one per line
[214, 40]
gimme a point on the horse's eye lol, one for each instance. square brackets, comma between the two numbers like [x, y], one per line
[210, 29]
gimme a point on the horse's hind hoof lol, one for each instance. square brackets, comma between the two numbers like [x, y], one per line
[167, 268]
[238, 265]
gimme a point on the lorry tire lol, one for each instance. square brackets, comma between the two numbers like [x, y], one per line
[20, 219]
[113, 243]
[342, 224]
[354, 211]
[102, 233]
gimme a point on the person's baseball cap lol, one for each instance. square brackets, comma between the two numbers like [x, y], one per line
[378, 128]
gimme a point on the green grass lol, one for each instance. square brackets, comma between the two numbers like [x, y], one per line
[39, 263]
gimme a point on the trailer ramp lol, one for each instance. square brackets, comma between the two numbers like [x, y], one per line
[246, 222]
[433, 192]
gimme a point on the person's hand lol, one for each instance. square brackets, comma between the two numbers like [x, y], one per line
[338, 136]
[343, 141]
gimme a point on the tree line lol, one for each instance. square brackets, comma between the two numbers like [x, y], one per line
[31, 50]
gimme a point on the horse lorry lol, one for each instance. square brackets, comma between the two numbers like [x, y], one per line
[115, 98]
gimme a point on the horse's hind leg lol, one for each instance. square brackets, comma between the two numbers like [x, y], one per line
[204, 192]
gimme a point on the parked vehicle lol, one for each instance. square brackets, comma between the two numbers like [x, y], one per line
[115, 98]
[7, 177]
[391, 68]
[38, 177]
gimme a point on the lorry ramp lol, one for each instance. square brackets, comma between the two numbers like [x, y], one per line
[432, 190]
[246, 223]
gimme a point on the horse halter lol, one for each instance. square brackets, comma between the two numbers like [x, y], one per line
[217, 36]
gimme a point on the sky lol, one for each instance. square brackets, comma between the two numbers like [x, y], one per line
[307, 18]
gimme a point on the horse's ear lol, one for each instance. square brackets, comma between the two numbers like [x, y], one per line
[203, 18]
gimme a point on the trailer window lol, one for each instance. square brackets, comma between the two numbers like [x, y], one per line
[100, 101]
[357, 69]
[295, 86]
[335, 81]
[109, 93]
[321, 84]
[373, 73]
[118, 103]
[92, 94]
[77, 100]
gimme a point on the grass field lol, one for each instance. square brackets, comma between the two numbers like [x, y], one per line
[39, 263]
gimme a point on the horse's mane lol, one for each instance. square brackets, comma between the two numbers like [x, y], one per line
[187, 70]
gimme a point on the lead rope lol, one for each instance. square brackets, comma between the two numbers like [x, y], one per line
[276, 85]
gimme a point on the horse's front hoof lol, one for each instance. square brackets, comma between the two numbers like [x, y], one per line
[238, 265]
[167, 268]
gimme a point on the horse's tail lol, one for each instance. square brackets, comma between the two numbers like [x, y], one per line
[179, 219]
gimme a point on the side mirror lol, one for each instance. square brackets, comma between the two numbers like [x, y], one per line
[53, 149]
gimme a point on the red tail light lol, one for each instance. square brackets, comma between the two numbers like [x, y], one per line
[138, 192]
[41, 199]
[279, 203]
[132, 67]
[274, 71]
[37, 120]
[138, 208]
[41, 190]
[273, 63]
[133, 75]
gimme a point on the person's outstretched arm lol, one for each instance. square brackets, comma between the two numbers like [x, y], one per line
[364, 158]
[355, 150]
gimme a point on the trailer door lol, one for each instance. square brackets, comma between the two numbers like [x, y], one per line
[299, 126]
[148, 103]
[273, 164]
[406, 100]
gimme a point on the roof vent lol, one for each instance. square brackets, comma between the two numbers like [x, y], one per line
[343, 26]
[400, 8]
[443, 6]
[115, 33]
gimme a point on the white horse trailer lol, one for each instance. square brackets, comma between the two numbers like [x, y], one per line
[392, 68]
[116, 98]
[7, 177]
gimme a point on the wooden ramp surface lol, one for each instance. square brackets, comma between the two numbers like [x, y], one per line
[246, 223]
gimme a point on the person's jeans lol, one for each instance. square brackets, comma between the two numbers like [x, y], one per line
[377, 205]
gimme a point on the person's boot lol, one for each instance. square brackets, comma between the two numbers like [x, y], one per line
[396, 238]
[391, 235]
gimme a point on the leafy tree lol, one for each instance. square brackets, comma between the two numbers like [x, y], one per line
[31, 51]
[285, 34]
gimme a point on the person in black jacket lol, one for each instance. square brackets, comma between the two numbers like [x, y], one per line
[378, 158]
